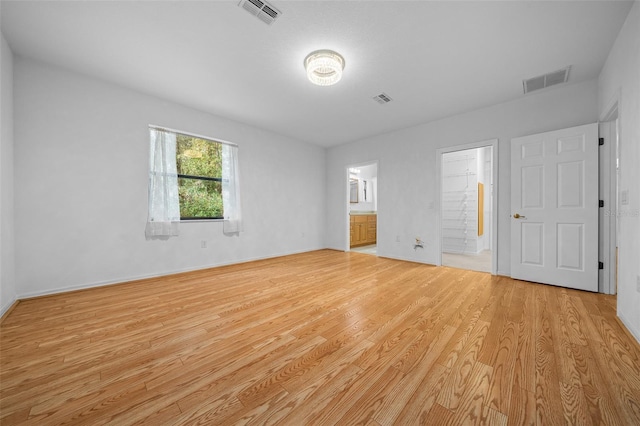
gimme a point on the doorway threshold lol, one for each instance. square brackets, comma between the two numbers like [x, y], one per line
[370, 249]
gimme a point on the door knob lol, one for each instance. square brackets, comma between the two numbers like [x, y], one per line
[517, 216]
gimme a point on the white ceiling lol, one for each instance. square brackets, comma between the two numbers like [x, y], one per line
[434, 59]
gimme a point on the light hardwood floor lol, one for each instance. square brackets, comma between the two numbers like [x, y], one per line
[321, 338]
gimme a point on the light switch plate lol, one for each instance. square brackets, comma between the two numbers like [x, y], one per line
[624, 197]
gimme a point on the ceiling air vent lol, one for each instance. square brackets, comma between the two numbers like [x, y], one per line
[382, 98]
[261, 10]
[546, 80]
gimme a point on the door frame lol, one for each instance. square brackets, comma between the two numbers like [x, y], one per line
[608, 182]
[346, 199]
[494, 204]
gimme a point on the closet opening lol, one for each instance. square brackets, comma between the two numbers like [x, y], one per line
[467, 208]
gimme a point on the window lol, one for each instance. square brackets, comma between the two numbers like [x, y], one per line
[191, 177]
[199, 166]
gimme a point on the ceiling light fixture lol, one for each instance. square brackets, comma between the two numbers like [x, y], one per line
[324, 67]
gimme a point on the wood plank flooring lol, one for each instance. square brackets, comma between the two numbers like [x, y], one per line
[321, 338]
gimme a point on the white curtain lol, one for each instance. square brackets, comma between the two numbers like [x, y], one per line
[164, 206]
[231, 190]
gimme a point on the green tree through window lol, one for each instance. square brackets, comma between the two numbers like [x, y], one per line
[199, 164]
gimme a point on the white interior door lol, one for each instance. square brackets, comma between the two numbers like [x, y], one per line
[554, 207]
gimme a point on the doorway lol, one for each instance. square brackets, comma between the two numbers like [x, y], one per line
[468, 223]
[362, 208]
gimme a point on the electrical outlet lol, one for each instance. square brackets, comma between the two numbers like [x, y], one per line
[203, 244]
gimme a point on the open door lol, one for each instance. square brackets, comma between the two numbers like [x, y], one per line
[554, 207]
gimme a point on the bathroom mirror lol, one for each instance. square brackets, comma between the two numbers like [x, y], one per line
[353, 190]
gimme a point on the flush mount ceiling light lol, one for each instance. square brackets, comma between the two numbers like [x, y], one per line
[324, 67]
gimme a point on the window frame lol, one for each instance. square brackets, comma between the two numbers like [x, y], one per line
[195, 177]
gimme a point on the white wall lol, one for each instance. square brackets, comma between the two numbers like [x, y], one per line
[7, 270]
[620, 82]
[81, 167]
[407, 165]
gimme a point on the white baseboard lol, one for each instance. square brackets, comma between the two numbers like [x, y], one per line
[4, 308]
[405, 259]
[634, 332]
[146, 276]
